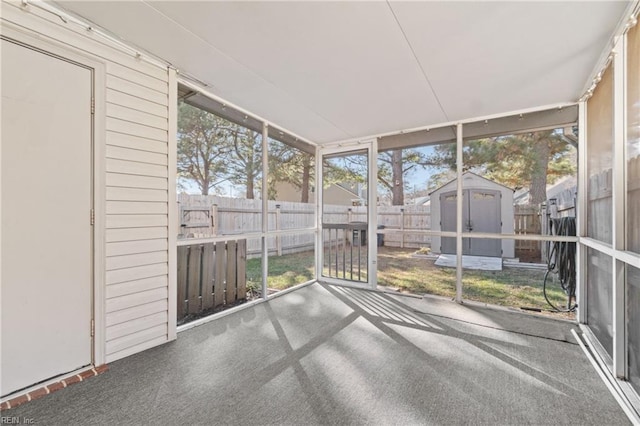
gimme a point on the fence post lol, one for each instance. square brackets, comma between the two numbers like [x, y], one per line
[213, 229]
[278, 226]
[544, 229]
[179, 216]
[401, 227]
[553, 208]
[349, 214]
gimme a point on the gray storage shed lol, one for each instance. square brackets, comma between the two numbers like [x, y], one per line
[487, 208]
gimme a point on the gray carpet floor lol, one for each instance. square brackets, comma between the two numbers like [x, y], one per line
[335, 355]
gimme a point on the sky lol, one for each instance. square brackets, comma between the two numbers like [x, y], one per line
[415, 180]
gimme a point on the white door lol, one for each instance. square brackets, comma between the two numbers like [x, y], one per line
[47, 247]
[348, 242]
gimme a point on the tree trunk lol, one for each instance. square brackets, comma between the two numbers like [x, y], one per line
[397, 189]
[538, 187]
[205, 183]
[249, 194]
[306, 178]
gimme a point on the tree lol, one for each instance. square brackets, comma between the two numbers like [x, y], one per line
[288, 164]
[245, 165]
[528, 160]
[201, 147]
[395, 165]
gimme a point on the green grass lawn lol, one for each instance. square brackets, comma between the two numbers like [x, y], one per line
[513, 287]
[284, 271]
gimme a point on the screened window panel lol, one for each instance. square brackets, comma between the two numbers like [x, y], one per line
[633, 139]
[600, 298]
[292, 260]
[291, 187]
[633, 325]
[600, 159]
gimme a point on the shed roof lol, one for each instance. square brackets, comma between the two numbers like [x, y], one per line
[474, 175]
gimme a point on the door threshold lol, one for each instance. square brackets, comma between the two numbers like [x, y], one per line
[48, 386]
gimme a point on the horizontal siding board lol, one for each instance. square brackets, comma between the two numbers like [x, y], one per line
[140, 117]
[136, 221]
[134, 207]
[131, 287]
[120, 153]
[135, 194]
[136, 299]
[136, 103]
[136, 168]
[136, 325]
[135, 142]
[136, 181]
[139, 311]
[134, 234]
[137, 348]
[125, 86]
[72, 35]
[136, 247]
[130, 260]
[133, 339]
[126, 73]
[136, 273]
[135, 129]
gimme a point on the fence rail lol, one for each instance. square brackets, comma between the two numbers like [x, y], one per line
[216, 216]
[211, 276]
[212, 215]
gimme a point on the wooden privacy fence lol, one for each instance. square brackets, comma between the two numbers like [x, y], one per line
[213, 215]
[527, 221]
[599, 206]
[211, 276]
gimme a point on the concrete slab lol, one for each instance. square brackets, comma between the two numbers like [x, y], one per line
[471, 262]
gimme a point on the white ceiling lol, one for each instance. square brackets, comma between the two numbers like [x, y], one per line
[338, 70]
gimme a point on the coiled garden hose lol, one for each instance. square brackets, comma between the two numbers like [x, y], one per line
[561, 260]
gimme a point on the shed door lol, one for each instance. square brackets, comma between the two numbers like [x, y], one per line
[47, 248]
[448, 210]
[480, 213]
[484, 216]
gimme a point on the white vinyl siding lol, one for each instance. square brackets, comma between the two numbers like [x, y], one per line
[136, 121]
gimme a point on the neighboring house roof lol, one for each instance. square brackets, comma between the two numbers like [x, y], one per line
[349, 187]
[522, 196]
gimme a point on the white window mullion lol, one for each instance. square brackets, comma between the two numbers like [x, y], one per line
[372, 190]
[618, 225]
[318, 196]
[459, 207]
[581, 214]
[265, 208]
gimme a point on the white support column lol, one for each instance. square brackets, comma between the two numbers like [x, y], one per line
[581, 214]
[265, 208]
[318, 200]
[618, 226]
[372, 192]
[173, 218]
[459, 205]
